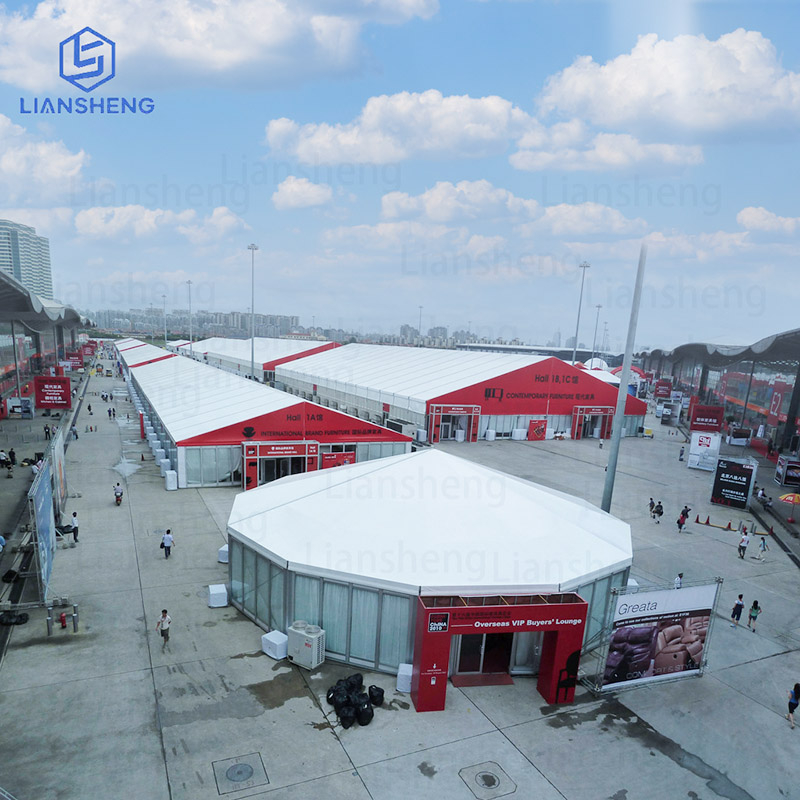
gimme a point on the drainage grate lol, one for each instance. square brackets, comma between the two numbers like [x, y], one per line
[487, 781]
[242, 772]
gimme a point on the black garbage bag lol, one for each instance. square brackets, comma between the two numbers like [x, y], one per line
[359, 698]
[340, 698]
[364, 714]
[375, 695]
[355, 682]
[13, 618]
[347, 716]
[329, 695]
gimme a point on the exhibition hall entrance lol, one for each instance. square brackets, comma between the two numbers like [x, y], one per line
[490, 659]
[270, 469]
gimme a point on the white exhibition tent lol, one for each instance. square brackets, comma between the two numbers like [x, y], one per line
[431, 523]
[265, 349]
[404, 377]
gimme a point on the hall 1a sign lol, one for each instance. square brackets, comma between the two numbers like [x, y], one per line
[733, 482]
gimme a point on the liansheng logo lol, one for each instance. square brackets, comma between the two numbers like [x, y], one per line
[87, 59]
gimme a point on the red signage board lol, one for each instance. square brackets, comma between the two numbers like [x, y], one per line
[537, 430]
[663, 388]
[298, 422]
[52, 392]
[337, 459]
[548, 387]
[75, 357]
[780, 389]
[562, 619]
[707, 418]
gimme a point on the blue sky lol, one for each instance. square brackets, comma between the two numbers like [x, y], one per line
[462, 156]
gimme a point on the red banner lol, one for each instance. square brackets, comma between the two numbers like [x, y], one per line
[75, 357]
[663, 388]
[52, 392]
[537, 429]
[337, 459]
[707, 418]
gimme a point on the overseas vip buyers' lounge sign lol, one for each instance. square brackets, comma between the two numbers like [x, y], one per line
[733, 483]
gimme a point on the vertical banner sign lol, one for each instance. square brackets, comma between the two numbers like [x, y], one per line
[658, 635]
[52, 392]
[733, 482]
[40, 497]
[59, 473]
[704, 450]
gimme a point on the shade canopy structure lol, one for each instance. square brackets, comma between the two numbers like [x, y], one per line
[19, 304]
[431, 523]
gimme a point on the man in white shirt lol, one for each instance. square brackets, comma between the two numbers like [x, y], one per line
[679, 580]
[74, 523]
[167, 541]
[162, 626]
[743, 542]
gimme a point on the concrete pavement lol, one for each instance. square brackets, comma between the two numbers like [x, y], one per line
[107, 712]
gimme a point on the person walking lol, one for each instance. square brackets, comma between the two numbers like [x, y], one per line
[74, 432]
[46, 432]
[12, 457]
[680, 455]
[679, 580]
[794, 699]
[162, 626]
[89, 409]
[652, 505]
[109, 413]
[74, 522]
[752, 615]
[682, 519]
[114, 412]
[736, 612]
[743, 542]
[167, 540]
[762, 548]
[658, 512]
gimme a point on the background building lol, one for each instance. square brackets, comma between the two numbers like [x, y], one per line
[26, 257]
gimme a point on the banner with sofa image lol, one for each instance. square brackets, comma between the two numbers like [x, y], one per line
[658, 635]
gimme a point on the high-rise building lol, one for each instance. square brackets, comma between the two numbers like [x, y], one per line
[26, 257]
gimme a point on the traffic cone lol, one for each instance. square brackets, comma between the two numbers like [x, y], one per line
[142, 456]
[697, 519]
[771, 532]
[730, 527]
[708, 520]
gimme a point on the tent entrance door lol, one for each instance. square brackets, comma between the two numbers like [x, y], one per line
[270, 469]
[484, 653]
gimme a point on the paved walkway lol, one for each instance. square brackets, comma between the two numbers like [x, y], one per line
[107, 713]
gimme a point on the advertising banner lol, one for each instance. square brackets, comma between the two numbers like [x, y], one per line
[537, 430]
[704, 450]
[40, 497]
[733, 482]
[658, 635]
[59, 473]
[671, 414]
[707, 418]
[337, 459]
[787, 471]
[663, 388]
[75, 357]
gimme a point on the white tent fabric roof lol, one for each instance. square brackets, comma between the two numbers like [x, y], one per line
[406, 377]
[192, 398]
[265, 349]
[431, 523]
[131, 355]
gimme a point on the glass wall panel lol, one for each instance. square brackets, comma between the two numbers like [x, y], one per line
[306, 599]
[209, 464]
[335, 619]
[235, 569]
[224, 464]
[262, 590]
[364, 624]
[249, 581]
[193, 477]
[277, 614]
[597, 609]
[394, 630]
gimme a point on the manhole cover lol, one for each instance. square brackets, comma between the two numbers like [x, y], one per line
[242, 772]
[487, 781]
[239, 772]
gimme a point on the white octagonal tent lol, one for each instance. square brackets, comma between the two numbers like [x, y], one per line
[352, 550]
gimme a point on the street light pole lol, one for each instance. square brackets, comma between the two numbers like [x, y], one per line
[420, 324]
[596, 323]
[252, 248]
[164, 298]
[191, 349]
[584, 266]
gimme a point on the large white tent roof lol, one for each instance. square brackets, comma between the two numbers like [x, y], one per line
[133, 352]
[407, 377]
[192, 398]
[265, 350]
[431, 523]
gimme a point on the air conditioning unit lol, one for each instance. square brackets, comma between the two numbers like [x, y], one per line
[306, 645]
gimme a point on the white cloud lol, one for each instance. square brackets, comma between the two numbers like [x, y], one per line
[301, 193]
[32, 168]
[263, 42]
[45, 220]
[583, 219]
[689, 81]
[140, 222]
[759, 219]
[395, 235]
[446, 201]
[607, 151]
[396, 127]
